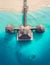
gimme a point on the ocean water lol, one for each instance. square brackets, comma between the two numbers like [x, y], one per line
[35, 52]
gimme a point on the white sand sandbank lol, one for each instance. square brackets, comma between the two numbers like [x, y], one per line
[17, 5]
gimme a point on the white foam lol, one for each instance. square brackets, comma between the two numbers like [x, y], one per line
[48, 5]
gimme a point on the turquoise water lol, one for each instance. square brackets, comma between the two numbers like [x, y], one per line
[35, 52]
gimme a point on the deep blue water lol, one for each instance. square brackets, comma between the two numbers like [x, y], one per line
[35, 52]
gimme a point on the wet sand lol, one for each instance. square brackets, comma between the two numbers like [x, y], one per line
[17, 5]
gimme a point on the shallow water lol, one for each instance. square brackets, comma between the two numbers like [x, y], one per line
[35, 52]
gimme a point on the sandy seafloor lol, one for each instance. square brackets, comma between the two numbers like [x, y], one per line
[35, 52]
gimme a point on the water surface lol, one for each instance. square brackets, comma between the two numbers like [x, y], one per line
[35, 52]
